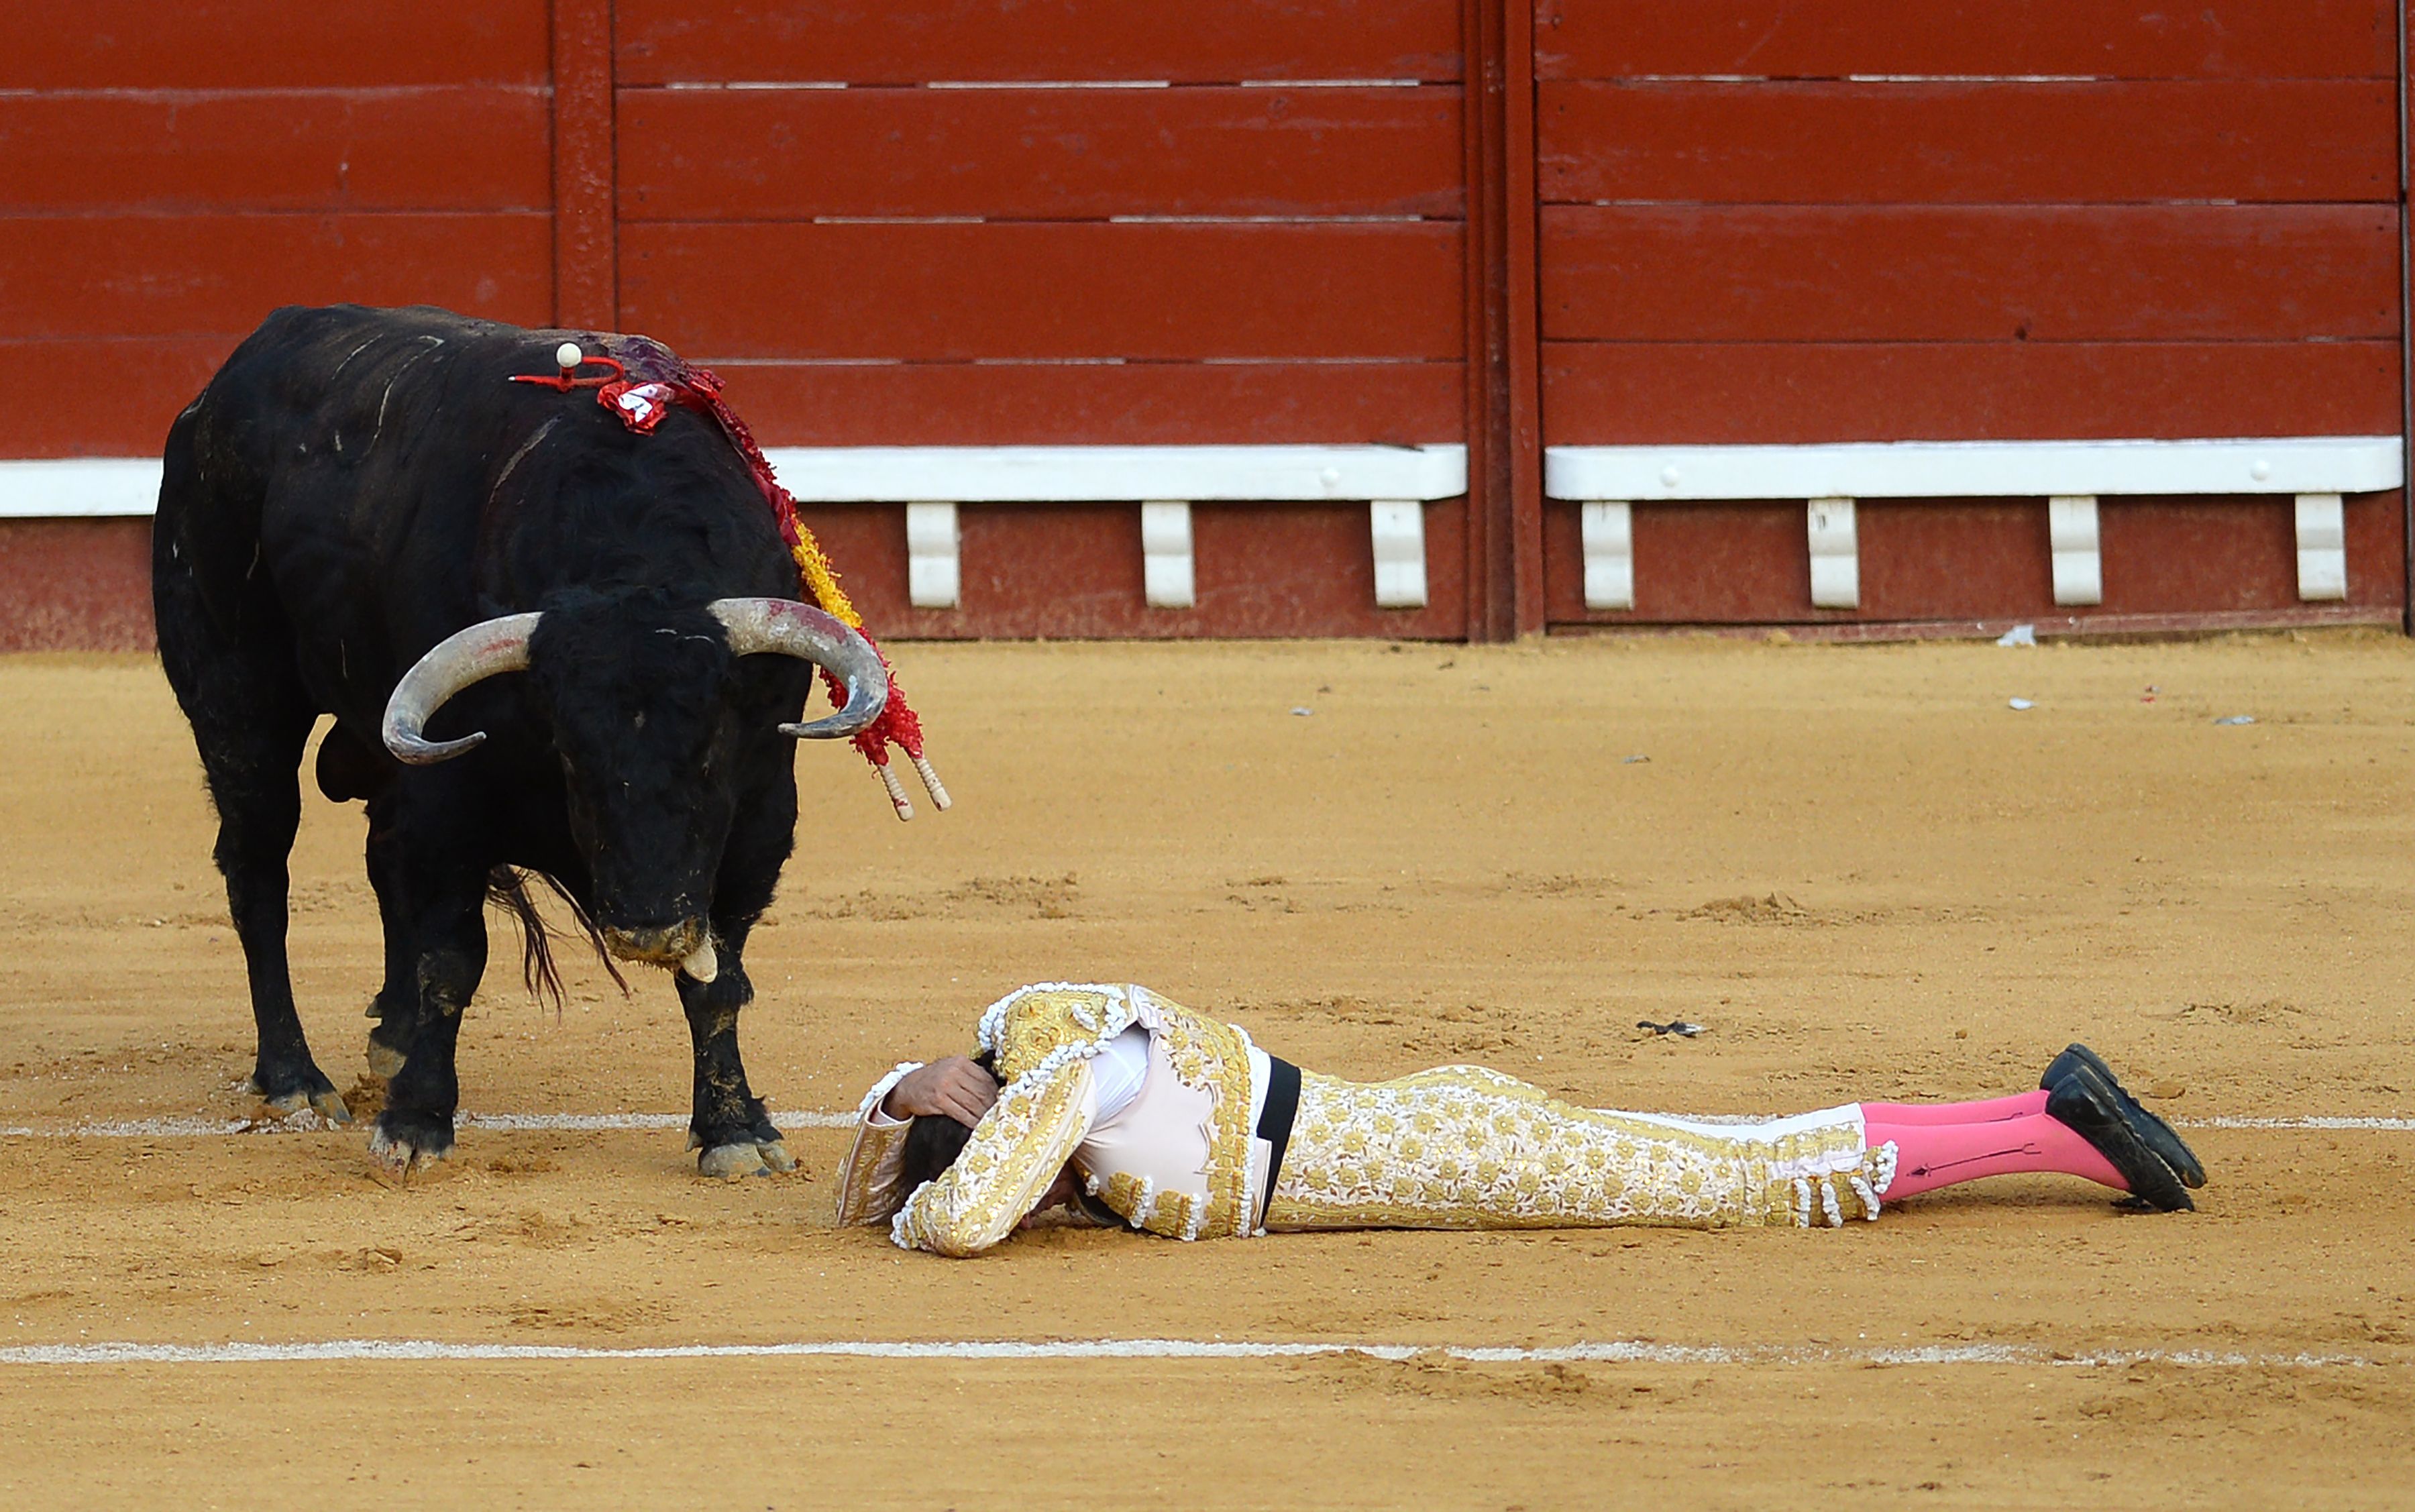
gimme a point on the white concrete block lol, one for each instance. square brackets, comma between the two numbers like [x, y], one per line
[2323, 547]
[1399, 529]
[2071, 535]
[1166, 576]
[934, 569]
[1836, 555]
[1608, 526]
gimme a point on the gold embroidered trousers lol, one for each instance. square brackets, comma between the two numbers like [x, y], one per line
[1464, 1147]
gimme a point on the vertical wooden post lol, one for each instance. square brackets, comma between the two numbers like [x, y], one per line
[1524, 516]
[2406, 330]
[1505, 538]
[586, 278]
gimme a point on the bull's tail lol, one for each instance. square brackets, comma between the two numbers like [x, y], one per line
[507, 886]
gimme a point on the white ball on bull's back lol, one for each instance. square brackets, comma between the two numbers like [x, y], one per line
[568, 354]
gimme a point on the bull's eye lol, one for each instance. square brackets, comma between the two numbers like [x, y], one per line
[641, 721]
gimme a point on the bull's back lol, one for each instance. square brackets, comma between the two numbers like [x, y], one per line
[334, 444]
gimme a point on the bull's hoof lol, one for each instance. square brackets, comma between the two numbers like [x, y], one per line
[308, 1092]
[400, 1149]
[728, 1162]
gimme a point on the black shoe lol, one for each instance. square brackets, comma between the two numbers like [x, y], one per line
[2157, 1133]
[2090, 1105]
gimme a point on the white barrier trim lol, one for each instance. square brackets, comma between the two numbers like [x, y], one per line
[1119, 475]
[1618, 1352]
[79, 487]
[1976, 469]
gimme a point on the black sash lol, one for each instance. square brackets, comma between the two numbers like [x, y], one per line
[1274, 1123]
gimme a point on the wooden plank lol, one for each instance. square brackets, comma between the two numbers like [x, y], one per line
[272, 44]
[1074, 571]
[586, 279]
[445, 147]
[1995, 143]
[1138, 404]
[1835, 39]
[950, 292]
[1039, 153]
[1958, 561]
[1639, 394]
[127, 391]
[1227, 41]
[99, 275]
[1970, 274]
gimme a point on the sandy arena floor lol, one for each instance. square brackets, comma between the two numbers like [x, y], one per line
[1859, 867]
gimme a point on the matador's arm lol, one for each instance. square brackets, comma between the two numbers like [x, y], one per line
[867, 1183]
[1014, 1153]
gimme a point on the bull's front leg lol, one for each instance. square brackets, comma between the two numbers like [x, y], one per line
[449, 940]
[729, 1127]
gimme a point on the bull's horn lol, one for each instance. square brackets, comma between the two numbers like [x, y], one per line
[800, 630]
[459, 660]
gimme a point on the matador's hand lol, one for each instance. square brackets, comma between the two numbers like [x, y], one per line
[951, 1085]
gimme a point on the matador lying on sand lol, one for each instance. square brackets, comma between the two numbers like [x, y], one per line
[1130, 1108]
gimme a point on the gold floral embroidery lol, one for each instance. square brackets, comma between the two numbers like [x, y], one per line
[1024, 1027]
[1015, 1151]
[1171, 1214]
[1467, 1148]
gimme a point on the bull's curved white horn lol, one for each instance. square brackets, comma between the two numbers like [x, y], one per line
[460, 659]
[789, 628]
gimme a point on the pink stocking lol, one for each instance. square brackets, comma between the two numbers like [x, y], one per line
[1955, 1113]
[1955, 1142]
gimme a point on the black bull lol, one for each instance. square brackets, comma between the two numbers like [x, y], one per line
[356, 486]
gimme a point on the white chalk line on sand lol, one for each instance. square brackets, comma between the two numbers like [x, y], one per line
[1632, 1352]
[204, 1128]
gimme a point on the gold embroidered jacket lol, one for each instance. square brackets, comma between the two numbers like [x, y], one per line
[1043, 1039]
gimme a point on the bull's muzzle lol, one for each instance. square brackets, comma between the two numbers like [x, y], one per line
[687, 945]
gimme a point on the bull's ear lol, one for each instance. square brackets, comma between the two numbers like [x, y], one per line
[464, 657]
[784, 627]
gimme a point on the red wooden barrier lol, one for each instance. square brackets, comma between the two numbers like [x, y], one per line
[1583, 222]
[1830, 221]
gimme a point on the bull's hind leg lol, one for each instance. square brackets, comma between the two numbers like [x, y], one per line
[250, 722]
[729, 1127]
